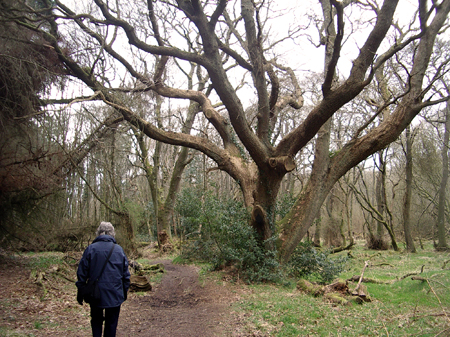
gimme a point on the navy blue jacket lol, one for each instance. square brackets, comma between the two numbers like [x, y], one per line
[115, 280]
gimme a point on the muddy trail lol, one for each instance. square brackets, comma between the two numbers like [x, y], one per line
[181, 305]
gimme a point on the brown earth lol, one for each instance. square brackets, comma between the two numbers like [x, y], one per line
[180, 305]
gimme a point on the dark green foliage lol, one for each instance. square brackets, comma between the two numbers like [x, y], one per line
[189, 207]
[309, 262]
[217, 232]
[284, 204]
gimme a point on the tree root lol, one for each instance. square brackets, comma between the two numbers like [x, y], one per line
[58, 272]
[38, 278]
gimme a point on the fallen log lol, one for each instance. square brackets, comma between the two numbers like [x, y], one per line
[310, 288]
[335, 292]
[337, 298]
[337, 287]
[142, 268]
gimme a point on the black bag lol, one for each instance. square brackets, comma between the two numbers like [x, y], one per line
[90, 291]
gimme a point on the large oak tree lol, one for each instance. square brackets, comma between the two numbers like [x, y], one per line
[227, 38]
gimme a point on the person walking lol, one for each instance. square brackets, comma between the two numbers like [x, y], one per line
[113, 282]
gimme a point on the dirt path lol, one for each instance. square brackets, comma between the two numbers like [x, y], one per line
[180, 305]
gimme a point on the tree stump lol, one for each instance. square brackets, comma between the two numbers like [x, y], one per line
[165, 244]
[139, 283]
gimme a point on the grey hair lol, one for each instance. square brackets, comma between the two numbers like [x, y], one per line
[106, 228]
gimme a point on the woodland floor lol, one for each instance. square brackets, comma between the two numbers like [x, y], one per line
[180, 305]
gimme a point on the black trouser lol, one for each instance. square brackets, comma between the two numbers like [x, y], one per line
[111, 319]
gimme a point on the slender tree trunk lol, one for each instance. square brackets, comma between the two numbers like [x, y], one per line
[317, 232]
[379, 194]
[407, 199]
[166, 210]
[155, 174]
[342, 229]
[349, 213]
[442, 242]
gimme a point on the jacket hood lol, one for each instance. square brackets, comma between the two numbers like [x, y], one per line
[104, 238]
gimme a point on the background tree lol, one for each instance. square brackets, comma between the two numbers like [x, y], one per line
[408, 191]
[28, 67]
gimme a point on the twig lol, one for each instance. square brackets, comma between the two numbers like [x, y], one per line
[439, 300]
[442, 332]
[387, 331]
[383, 264]
[83, 99]
[445, 263]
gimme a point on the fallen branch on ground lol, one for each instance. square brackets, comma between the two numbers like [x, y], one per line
[383, 264]
[356, 278]
[342, 248]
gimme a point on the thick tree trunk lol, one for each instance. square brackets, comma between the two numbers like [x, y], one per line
[126, 229]
[296, 223]
[308, 205]
[264, 204]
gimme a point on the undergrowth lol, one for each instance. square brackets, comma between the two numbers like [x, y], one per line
[315, 264]
[217, 232]
[402, 306]
[44, 260]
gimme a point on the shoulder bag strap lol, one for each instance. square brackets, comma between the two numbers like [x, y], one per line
[103, 268]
